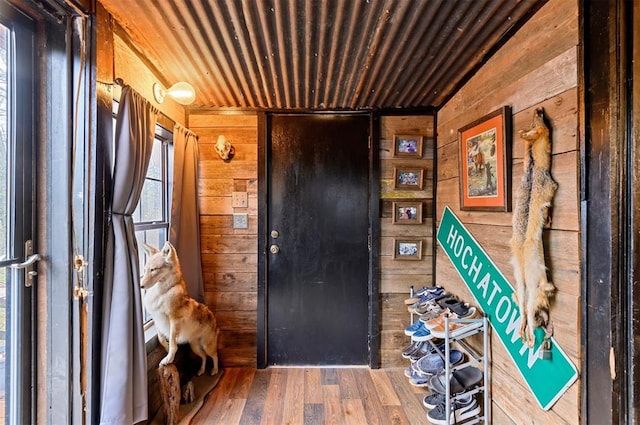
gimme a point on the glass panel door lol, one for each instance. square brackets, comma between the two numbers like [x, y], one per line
[16, 217]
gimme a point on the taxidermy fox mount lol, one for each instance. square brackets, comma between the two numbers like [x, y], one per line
[531, 213]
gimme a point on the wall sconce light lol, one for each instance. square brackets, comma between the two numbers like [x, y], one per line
[181, 92]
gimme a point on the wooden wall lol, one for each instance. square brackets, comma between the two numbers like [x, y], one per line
[229, 256]
[397, 276]
[537, 68]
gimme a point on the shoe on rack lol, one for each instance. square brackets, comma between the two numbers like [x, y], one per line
[455, 328]
[461, 380]
[424, 349]
[419, 380]
[411, 348]
[422, 293]
[461, 409]
[423, 307]
[412, 328]
[432, 400]
[433, 363]
[433, 313]
[422, 334]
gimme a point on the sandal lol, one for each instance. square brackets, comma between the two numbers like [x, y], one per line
[461, 380]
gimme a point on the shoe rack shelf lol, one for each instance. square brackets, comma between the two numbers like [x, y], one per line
[470, 327]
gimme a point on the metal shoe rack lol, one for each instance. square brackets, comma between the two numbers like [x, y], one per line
[472, 327]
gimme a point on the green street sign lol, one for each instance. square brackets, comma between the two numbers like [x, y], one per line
[547, 379]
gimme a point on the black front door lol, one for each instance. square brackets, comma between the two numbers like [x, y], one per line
[317, 239]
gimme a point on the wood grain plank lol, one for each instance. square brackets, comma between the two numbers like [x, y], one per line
[406, 124]
[273, 407]
[244, 119]
[229, 262]
[348, 384]
[374, 412]
[313, 414]
[396, 415]
[222, 224]
[332, 405]
[214, 404]
[329, 376]
[401, 283]
[411, 401]
[242, 386]
[383, 386]
[229, 244]
[232, 300]
[230, 282]
[353, 412]
[312, 386]
[293, 410]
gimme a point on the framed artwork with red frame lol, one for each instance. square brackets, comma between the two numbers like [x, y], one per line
[485, 162]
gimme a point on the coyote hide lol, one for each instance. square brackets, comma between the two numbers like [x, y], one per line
[531, 213]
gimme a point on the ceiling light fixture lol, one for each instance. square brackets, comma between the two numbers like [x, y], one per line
[181, 92]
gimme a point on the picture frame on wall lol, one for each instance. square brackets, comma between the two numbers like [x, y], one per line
[407, 145]
[407, 212]
[407, 249]
[485, 162]
[408, 178]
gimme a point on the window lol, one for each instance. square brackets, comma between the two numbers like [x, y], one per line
[152, 214]
[151, 217]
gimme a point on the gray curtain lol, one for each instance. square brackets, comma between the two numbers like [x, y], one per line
[184, 226]
[123, 398]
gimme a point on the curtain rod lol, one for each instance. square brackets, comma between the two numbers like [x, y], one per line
[119, 81]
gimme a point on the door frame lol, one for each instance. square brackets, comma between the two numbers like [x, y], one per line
[610, 218]
[374, 234]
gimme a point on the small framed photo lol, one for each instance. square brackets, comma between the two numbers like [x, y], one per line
[407, 213]
[408, 178]
[485, 162]
[407, 249]
[407, 145]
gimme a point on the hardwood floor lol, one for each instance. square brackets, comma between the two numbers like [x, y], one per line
[341, 396]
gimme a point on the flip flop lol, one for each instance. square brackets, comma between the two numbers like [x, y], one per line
[461, 380]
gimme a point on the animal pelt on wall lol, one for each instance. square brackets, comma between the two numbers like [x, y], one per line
[533, 200]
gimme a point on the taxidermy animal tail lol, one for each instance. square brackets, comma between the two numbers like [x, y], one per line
[534, 196]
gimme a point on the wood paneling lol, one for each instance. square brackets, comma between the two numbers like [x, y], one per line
[229, 256]
[537, 68]
[397, 276]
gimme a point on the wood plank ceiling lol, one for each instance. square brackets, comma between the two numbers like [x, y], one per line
[319, 54]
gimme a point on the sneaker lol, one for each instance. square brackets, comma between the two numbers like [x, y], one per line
[432, 400]
[411, 348]
[421, 293]
[455, 328]
[422, 334]
[412, 328]
[424, 349]
[419, 380]
[433, 313]
[461, 409]
[433, 363]
[408, 372]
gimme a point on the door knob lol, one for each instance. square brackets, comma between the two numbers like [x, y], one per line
[274, 249]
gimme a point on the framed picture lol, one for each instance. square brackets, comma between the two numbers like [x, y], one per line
[408, 178]
[407, 249]
[485, 162]
[407, 212]
[407, 145]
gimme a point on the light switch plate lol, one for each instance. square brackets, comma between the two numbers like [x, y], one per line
[239, 200]
[240, 221]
